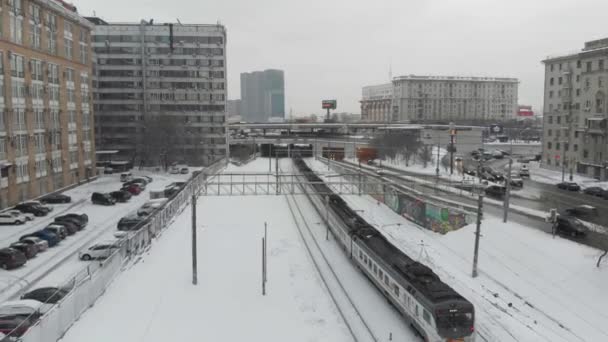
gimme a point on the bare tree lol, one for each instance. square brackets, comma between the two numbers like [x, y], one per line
[163, 135]
[425, 155]
[391, 145]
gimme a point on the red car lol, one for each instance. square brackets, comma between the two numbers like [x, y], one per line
[134, 189]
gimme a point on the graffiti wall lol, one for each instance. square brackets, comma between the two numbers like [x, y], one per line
[391, 199]
[412, 208]
[441, 219]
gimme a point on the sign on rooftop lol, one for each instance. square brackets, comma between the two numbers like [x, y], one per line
[329, 104]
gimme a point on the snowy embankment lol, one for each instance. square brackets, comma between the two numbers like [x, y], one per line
[531, 286]
[547, 176]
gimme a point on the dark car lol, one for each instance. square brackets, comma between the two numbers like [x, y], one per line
[594, 191]
[72, 225]
[134, 188]
[495, 191]
[121, 195]
[103, 199]
[137, 181]
[27, 249]
[148, 178]
[31, 208]
[14, 326]
[582, 211]
[46, 235]
[516, 182]
[130, 222]
[59, 230]
[82, 218]
[56, 198]
[470, 172]
[568, 225]
[48, 295]
[569, 186]
[11, 258]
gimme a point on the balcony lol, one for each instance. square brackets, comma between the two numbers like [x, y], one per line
[596, 125]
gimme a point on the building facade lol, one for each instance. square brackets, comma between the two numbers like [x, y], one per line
[376, 103]
[233, 108]
[160, 91]
[263, 95]
[575, 130]
[46, 116]
[453, 98]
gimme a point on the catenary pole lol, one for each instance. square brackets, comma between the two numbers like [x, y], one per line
[477, 234]
[194, 256]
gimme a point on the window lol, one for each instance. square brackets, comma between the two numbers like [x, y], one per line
[585, 154]
[559, 80]
[575, 136]
[551, 81]
[69, 75]
[56, 163]
[551, 94]
[38, 118]
[589, 66]
[41, 168]
[548, 145]
[16, 23]
[40, 143]
[559, 119]
[53, 73]
[599, 81]
[575, 146]
[21, 145]
[17, 67]
[50, 23]
[36, 70]
[578, 64]
[67, 39]
[35, 27]
[3, 155]
[386, 279]
[22, 173]
[396, 290]
[83, 48]
[566, 146]
[551, 66]
[578, 92]
[19, 119]
[550, 119]
[601, 64]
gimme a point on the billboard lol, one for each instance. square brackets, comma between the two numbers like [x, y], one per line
[525, 111]
[329, 104]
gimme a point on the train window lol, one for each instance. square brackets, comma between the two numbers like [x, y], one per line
[360, 255]
[386, 279]
[426, 316]
[396, 289]
[375, 268]
[416, 310]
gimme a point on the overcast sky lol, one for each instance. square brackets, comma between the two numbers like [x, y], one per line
[329, 49]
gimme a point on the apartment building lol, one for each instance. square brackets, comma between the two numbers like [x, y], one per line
[263, 96]
[46, 125]
[160, 91]
[376, 103]
[575, 129]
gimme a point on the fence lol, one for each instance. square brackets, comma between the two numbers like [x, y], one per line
[427, 211]
[91, 282]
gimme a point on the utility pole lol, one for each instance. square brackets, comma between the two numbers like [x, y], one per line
[276, 170]
[269, 158]
[508, 192]
[452, 134]
[437, 168]
[327, 217]
[194, 257]
[477, 233]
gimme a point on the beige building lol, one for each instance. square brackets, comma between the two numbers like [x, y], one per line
[376, 103]
[575, 111]
[46, 118]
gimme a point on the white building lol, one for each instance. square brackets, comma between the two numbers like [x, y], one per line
[376, 103]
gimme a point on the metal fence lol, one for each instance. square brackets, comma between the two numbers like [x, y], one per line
[91, 282]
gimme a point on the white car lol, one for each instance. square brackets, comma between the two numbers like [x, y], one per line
[27, 216]
[23, 307]
[42, 245]
[6, 218]
[151, 206]
[100, 250]
[380, 171]
[174, 170]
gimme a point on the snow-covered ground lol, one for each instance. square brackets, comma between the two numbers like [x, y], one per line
[531, 287]
[547, 176]
[58, 264]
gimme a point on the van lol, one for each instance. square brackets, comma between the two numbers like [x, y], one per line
[126, 176]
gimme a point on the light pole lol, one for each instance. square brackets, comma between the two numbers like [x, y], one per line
[438, 145]
[452, 135]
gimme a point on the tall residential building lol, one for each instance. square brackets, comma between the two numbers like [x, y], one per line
[453, 98]
[262, 95]
[376, 103]
[46, 135]
[233, 108]
[160, 91]
[575, 129]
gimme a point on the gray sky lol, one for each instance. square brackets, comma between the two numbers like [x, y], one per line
[331, 48]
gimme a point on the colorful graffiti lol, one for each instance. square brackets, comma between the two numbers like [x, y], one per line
[391, 199]
[443, 220]
[412, 208]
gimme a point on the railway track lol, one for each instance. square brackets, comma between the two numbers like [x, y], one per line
[355, 322]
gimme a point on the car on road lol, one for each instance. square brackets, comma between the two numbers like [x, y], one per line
[582, 211]
[41, 245]
[134, 189]
[47, 295]
[496, 191]
[130, 222]
[46, 235]
[26, 216]
[56, 198]
[568, 225]
[6, 218]
[379, 171]
[27, 249]
[174, 170]
[100, 250]
[594, 191]
[517, 181]
[60, 231]
[32, 208]
[102, 198]
[524, 173]
[121, 195]
[184, 171]
[11, 258]
[571, 186]
[470, 172]
[126, 176]
[497, 154]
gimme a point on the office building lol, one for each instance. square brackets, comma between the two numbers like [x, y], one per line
[376, 103]
[160, 91]
[575, 111]
[262, 95]
[233, 108]
[46, 125]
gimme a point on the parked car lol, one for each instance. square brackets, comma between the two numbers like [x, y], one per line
[34, 209]
[27, 249]
[569, 186]
[38, 203]
[497, 191]
[11, 258]
[60, 231]
[56, 198]
[134, 189]
[594, 191]
[517, 181]
[129, 222]
[82, 218]
[148, 178]
[6, 218]
[582, 211]
[72, 225]
[524, 173]
[46, 235]
[17, 316]
[47, 295]
[41, 245]
[121, 195]
[174, 170]
[100, 250]
[103, 199]
[150, 206]
[568, 225]
[470, 171]
[184, 171]
[497, 154]
[126, 176]
[26, 216]
[379, 171]
[13, 326]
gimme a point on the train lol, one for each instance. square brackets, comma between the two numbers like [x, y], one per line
[431, 307]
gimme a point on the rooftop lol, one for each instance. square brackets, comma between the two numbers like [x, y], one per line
[455, 78]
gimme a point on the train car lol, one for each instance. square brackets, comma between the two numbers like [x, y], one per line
[431, 307]
[365, 154]
[333, 153]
